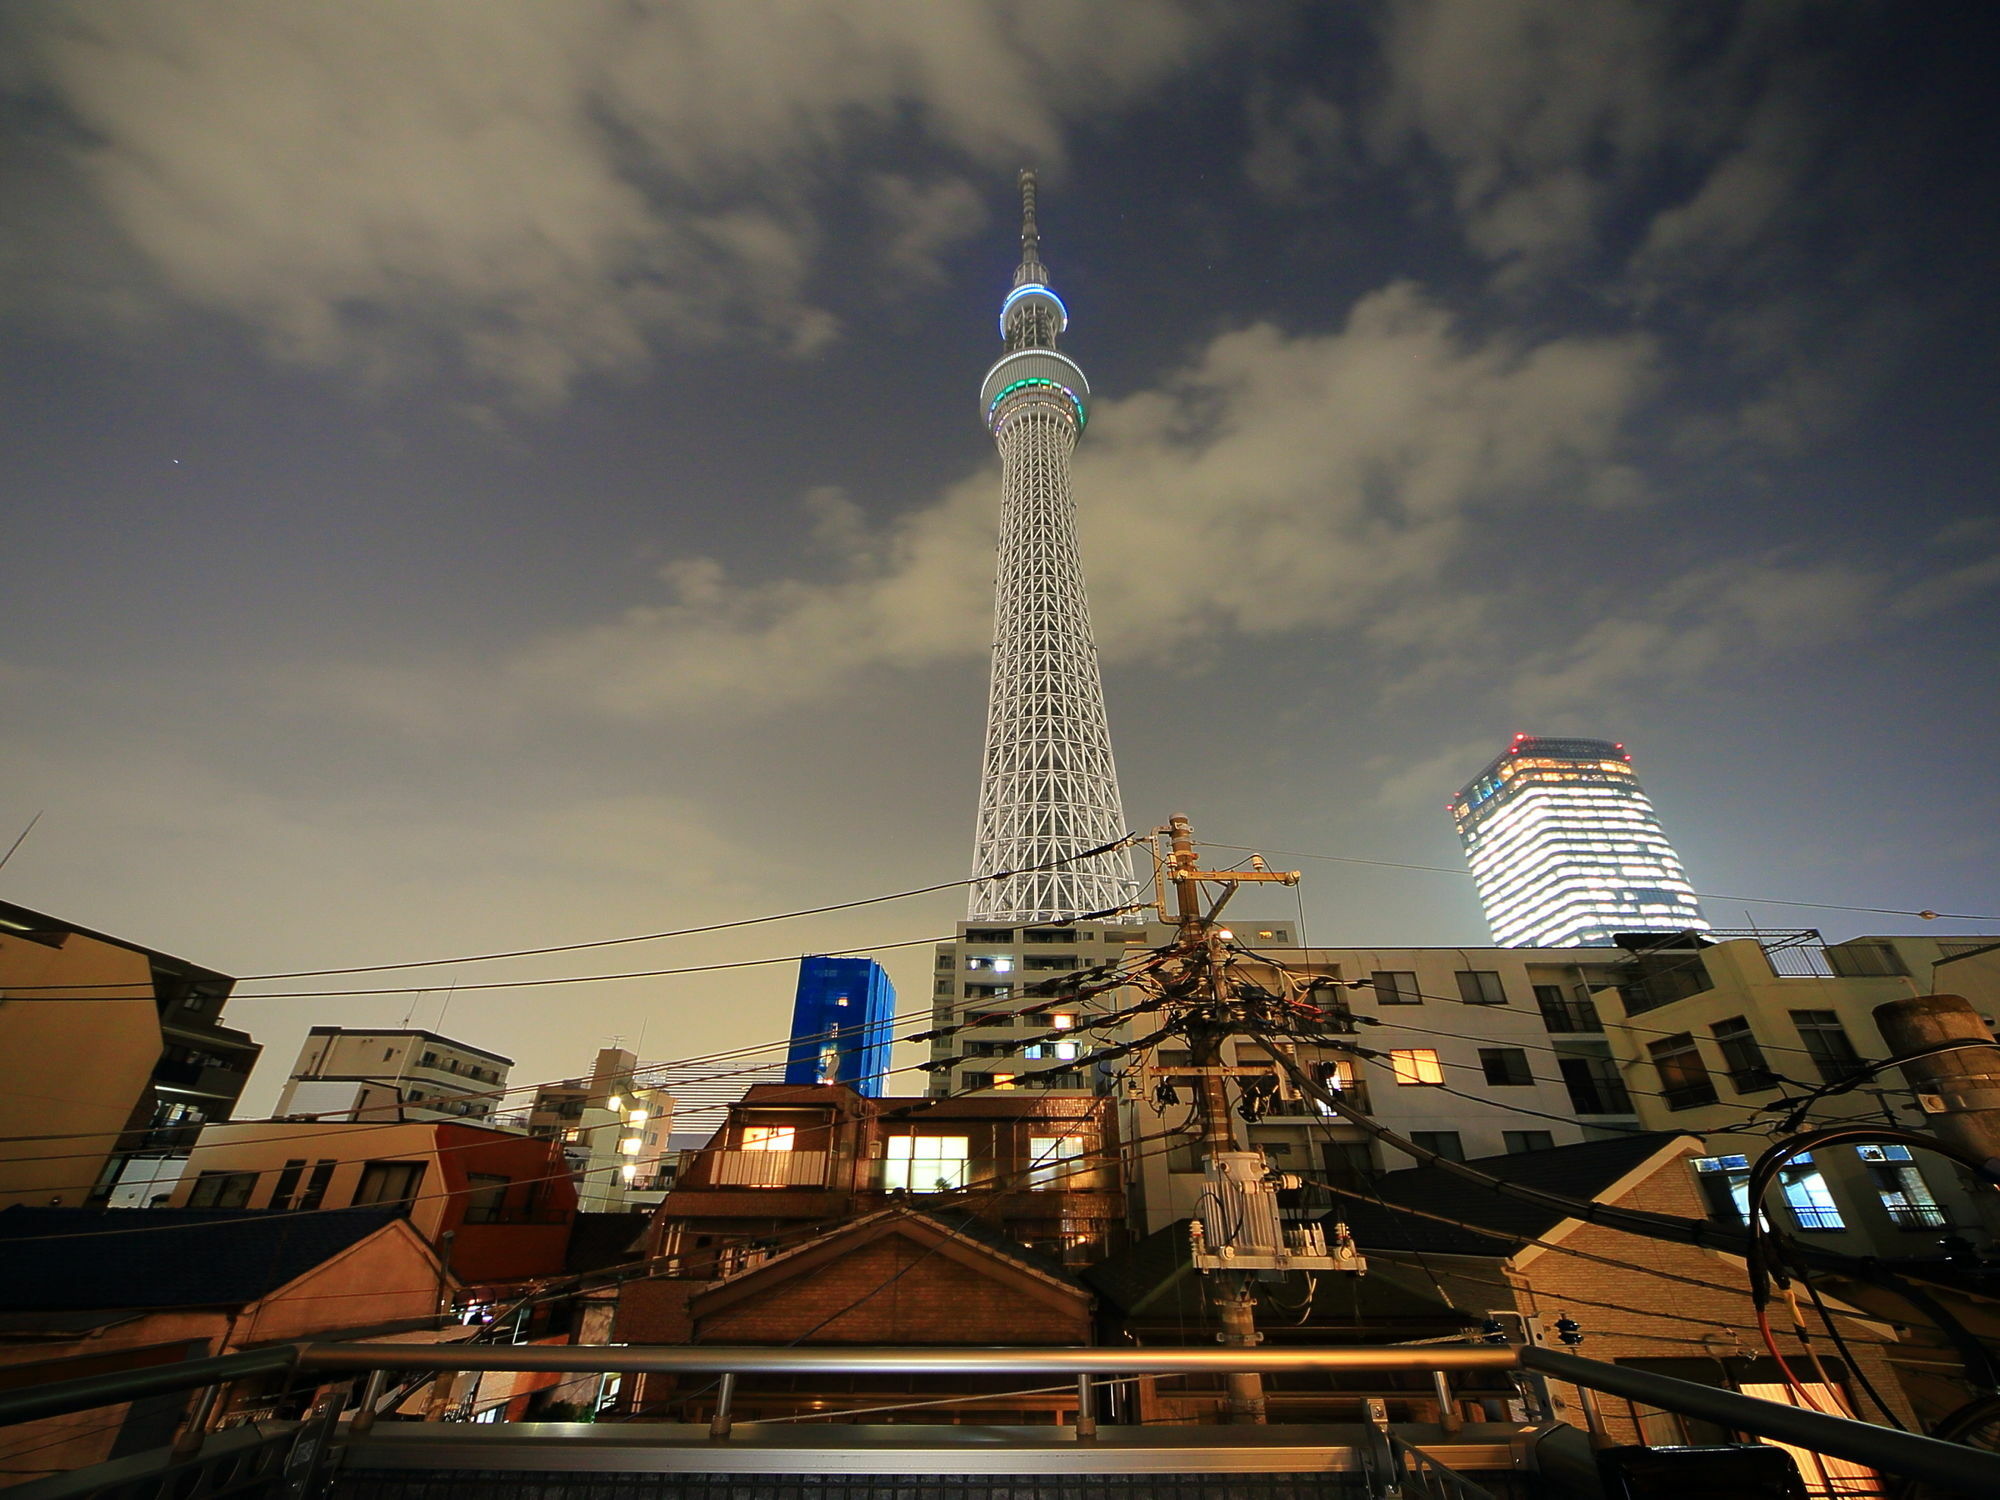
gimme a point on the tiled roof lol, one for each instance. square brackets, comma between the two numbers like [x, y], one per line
[60, 1258]
[1580, 1171]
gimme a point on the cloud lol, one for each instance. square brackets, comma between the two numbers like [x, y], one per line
[1740, 615]
[923, 220]
[531, 193]
[1556, 126]
[1278, 483]
[1297, 144]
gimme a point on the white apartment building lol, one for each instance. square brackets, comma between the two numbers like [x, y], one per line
[614, 1127]
[391, 1076]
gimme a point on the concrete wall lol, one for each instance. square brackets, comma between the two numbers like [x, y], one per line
[78, 1040]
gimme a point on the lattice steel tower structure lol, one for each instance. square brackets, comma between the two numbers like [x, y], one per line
[1049, 789]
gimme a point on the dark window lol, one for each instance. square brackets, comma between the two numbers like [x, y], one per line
[387, 1182]
[1748, 1072]
[222, 1190]
[989, 934]
[1521, 1142]
[486, 1203]
[315, 1193]
[1395, 987]
[1561, 1013]
[1506, 1067]
[1053, 961]
[288, 1182]
[1049, 935]
[1594, 1086]
[1684, 1080]
[1826, 1043]
[1445, 1143]
[1480, 987]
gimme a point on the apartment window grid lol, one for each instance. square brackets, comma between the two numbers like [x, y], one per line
[1684, 1080]
[1395, 987]
[1564, 1012]
[1446, 1143]
[1826, 1043]
[1481, 987]
[1506, 1067]
[1416, 1065]
[1749, 1073]
[1594, 1085]
[1905, 1196]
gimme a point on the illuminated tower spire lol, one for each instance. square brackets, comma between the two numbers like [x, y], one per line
[1049, 789]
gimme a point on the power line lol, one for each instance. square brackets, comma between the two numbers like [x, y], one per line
[1389, 864]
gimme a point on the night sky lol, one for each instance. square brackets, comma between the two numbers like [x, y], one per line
[489, 475]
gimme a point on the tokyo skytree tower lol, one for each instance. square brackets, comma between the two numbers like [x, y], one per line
[1049, 789]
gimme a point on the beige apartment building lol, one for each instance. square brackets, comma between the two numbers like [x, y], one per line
[1468, 1051]
[1710, 1036]
[1479, 1052]
[393, 1075]
[112, 1057]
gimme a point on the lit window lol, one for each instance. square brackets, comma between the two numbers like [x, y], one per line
[1416, 1065]
[1049, 1157]
[768, 1137]
[1066, 1051]
[631, 1145]
[925, 1163]
[1061, 1022]
[1003, 1080]
[1806, 1195]
[630, 1171]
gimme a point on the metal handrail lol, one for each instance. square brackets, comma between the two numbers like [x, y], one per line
[1904, 1454]
[1432, 1478]
[67, 1396]
[714, 1359]
[1900, 1453]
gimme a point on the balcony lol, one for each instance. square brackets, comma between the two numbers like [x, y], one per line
[764, 1169]
[1916, 1216]
[1817, 1218]
[1570, 1015]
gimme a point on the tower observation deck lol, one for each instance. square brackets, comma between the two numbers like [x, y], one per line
[1048, 789]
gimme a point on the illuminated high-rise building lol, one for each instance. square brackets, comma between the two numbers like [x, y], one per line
[1048, 790]
[1565, 849]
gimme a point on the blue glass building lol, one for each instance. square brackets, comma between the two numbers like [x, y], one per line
[841, 1027]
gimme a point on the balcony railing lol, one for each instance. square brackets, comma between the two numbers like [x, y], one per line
[1688, 1095]
[764, 1169]
[1570, 1015]
[1817, 1218]
[1917, 1216]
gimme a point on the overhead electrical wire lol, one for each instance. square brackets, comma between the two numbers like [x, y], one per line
[644, 937]
[1388, 864]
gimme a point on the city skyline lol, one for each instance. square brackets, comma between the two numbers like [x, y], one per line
[489, 485]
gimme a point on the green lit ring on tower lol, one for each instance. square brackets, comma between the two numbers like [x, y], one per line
[1032, 369]
[1075, 401]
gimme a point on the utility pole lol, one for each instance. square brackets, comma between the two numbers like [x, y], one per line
[1233, 1173]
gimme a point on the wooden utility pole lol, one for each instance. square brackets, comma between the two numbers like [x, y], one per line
[1200, 952]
